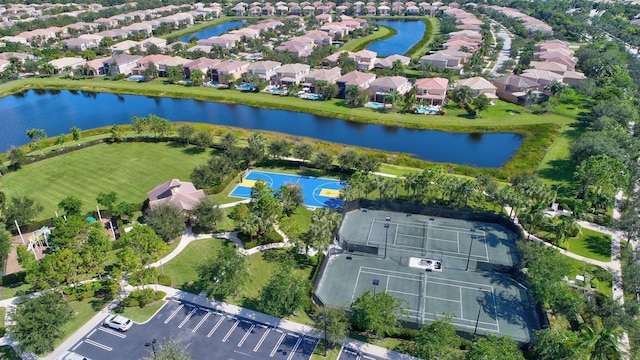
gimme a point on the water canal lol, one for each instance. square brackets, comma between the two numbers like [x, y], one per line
[216, 30]
[409, 33]
[57, 111]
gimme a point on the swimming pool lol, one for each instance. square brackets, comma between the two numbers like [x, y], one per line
[427, 111]
[137, 78]
[375, 105]
[312, 97]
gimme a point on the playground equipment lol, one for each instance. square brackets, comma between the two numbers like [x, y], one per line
[39, 238]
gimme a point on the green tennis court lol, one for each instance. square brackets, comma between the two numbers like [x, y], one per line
[437, 266]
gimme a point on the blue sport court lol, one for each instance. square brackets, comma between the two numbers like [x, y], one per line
[317, 192]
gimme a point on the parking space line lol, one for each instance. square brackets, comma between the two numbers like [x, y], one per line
[262, 326]
[235, 325]
[187, 318]
[246, 335]
[111, 332]
[295, 348]
[92, 332]
[174, 313]
[215, 327]
[264, 336]
[77, 345]
[294, 335]
[201, 322]
[275, 348]
[98, 345]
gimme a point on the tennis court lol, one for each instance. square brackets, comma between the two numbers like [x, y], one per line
[317, 192]
[396, 253]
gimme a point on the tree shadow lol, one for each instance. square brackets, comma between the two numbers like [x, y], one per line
[598, 245]
[193, 150]
[250, 303]
[559, 170]
[176, 145]
[99, 303]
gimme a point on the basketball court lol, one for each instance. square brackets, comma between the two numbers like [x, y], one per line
[438, 267]
[317, 192]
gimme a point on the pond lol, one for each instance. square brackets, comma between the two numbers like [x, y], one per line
[56, 111]
[409, 33]
[215, 30]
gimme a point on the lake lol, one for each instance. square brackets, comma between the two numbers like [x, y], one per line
[215, 30]
[56, 111]
[409, 33]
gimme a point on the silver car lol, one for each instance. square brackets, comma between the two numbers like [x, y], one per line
[118, 322]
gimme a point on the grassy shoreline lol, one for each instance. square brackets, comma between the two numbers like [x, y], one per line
[539, 131]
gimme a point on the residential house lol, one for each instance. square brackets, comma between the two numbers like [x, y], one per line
[387, 63]
[228, 70]
[573, 78]
[549, 66]
[120, 64]
[79, 44]
[322, 76]
[67, 62]
[366, 59]
[354, 78]
[203, 64]
[175, 192]
[265, 70]
[290, 74]
[479, 85]
[432, 90]
[518, 89]
[383, 86]
[319, 37]
[332, 59]
[542, 77]
[160, 43]
[124, 46]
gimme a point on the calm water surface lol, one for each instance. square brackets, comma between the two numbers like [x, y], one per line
[57, 111]
[216, 30]
[409, 33]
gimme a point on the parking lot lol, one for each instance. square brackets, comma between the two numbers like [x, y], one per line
[351, 354]
[209, 334]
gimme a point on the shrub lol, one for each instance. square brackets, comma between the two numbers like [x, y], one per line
[13, 279]
[146, 276]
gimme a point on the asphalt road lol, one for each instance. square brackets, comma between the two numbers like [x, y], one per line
[209, 335]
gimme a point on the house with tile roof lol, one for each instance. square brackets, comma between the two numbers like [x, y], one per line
[479, 85]
[382, 86]
[518, 89]
[181, 194]
[354, 78]
[432, 90]
[265, 70]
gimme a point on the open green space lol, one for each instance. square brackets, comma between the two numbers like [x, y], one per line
[383, 32]
[129, 169]
[9, 292]
[183, 269]
[142, 314]
[592, 244]
[83, 311]
[605, 284]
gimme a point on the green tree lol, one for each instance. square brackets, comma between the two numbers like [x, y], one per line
[303, 150]
[160, 127]
[480, 103]
[290, 197]
[144, 243]
[258, 144]
[557, 344]
[225, 274]
[250, 225]
[140, 124]
[323, 160]
[601, 343]
[166, 219]
[347, 159]
[38, 322]
[208, 213]
[16, 157]
[494, 347]
[336, 322]
[196, 77]
[186, 131]
[174, 74]
[437, 340]
[280, 148]
[284, 293]
[107, 199]
[204, 139]
[71, 205]
[5, 243]
[76, 133]
[36, 136]
[264, 205]
[228, 141]
[124, 208]
[377, 314]
[169, 349]
[22, 209]
[324, 223]
[605, 174]
[117, 133]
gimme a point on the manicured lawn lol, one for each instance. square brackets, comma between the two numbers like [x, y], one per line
[592, 244]
[129, 169]
[603, 276]
[83, 311]
[359, 44]
[3, 312]
[141, 315]
[9, 292]
[183, 268]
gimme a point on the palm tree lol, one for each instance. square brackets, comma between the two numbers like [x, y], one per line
[601, 343]
[250, 225]
[392, 97]
[562, 229]
[462, 95]
[556, 88]
[351, 93]
[48, 69]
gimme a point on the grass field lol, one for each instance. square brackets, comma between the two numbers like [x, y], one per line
[83, 311]
[141, 315]
[359, 44]
[592, 244]
[129, 169]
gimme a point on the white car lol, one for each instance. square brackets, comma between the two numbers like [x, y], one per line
[72, 356]
[118, 322]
